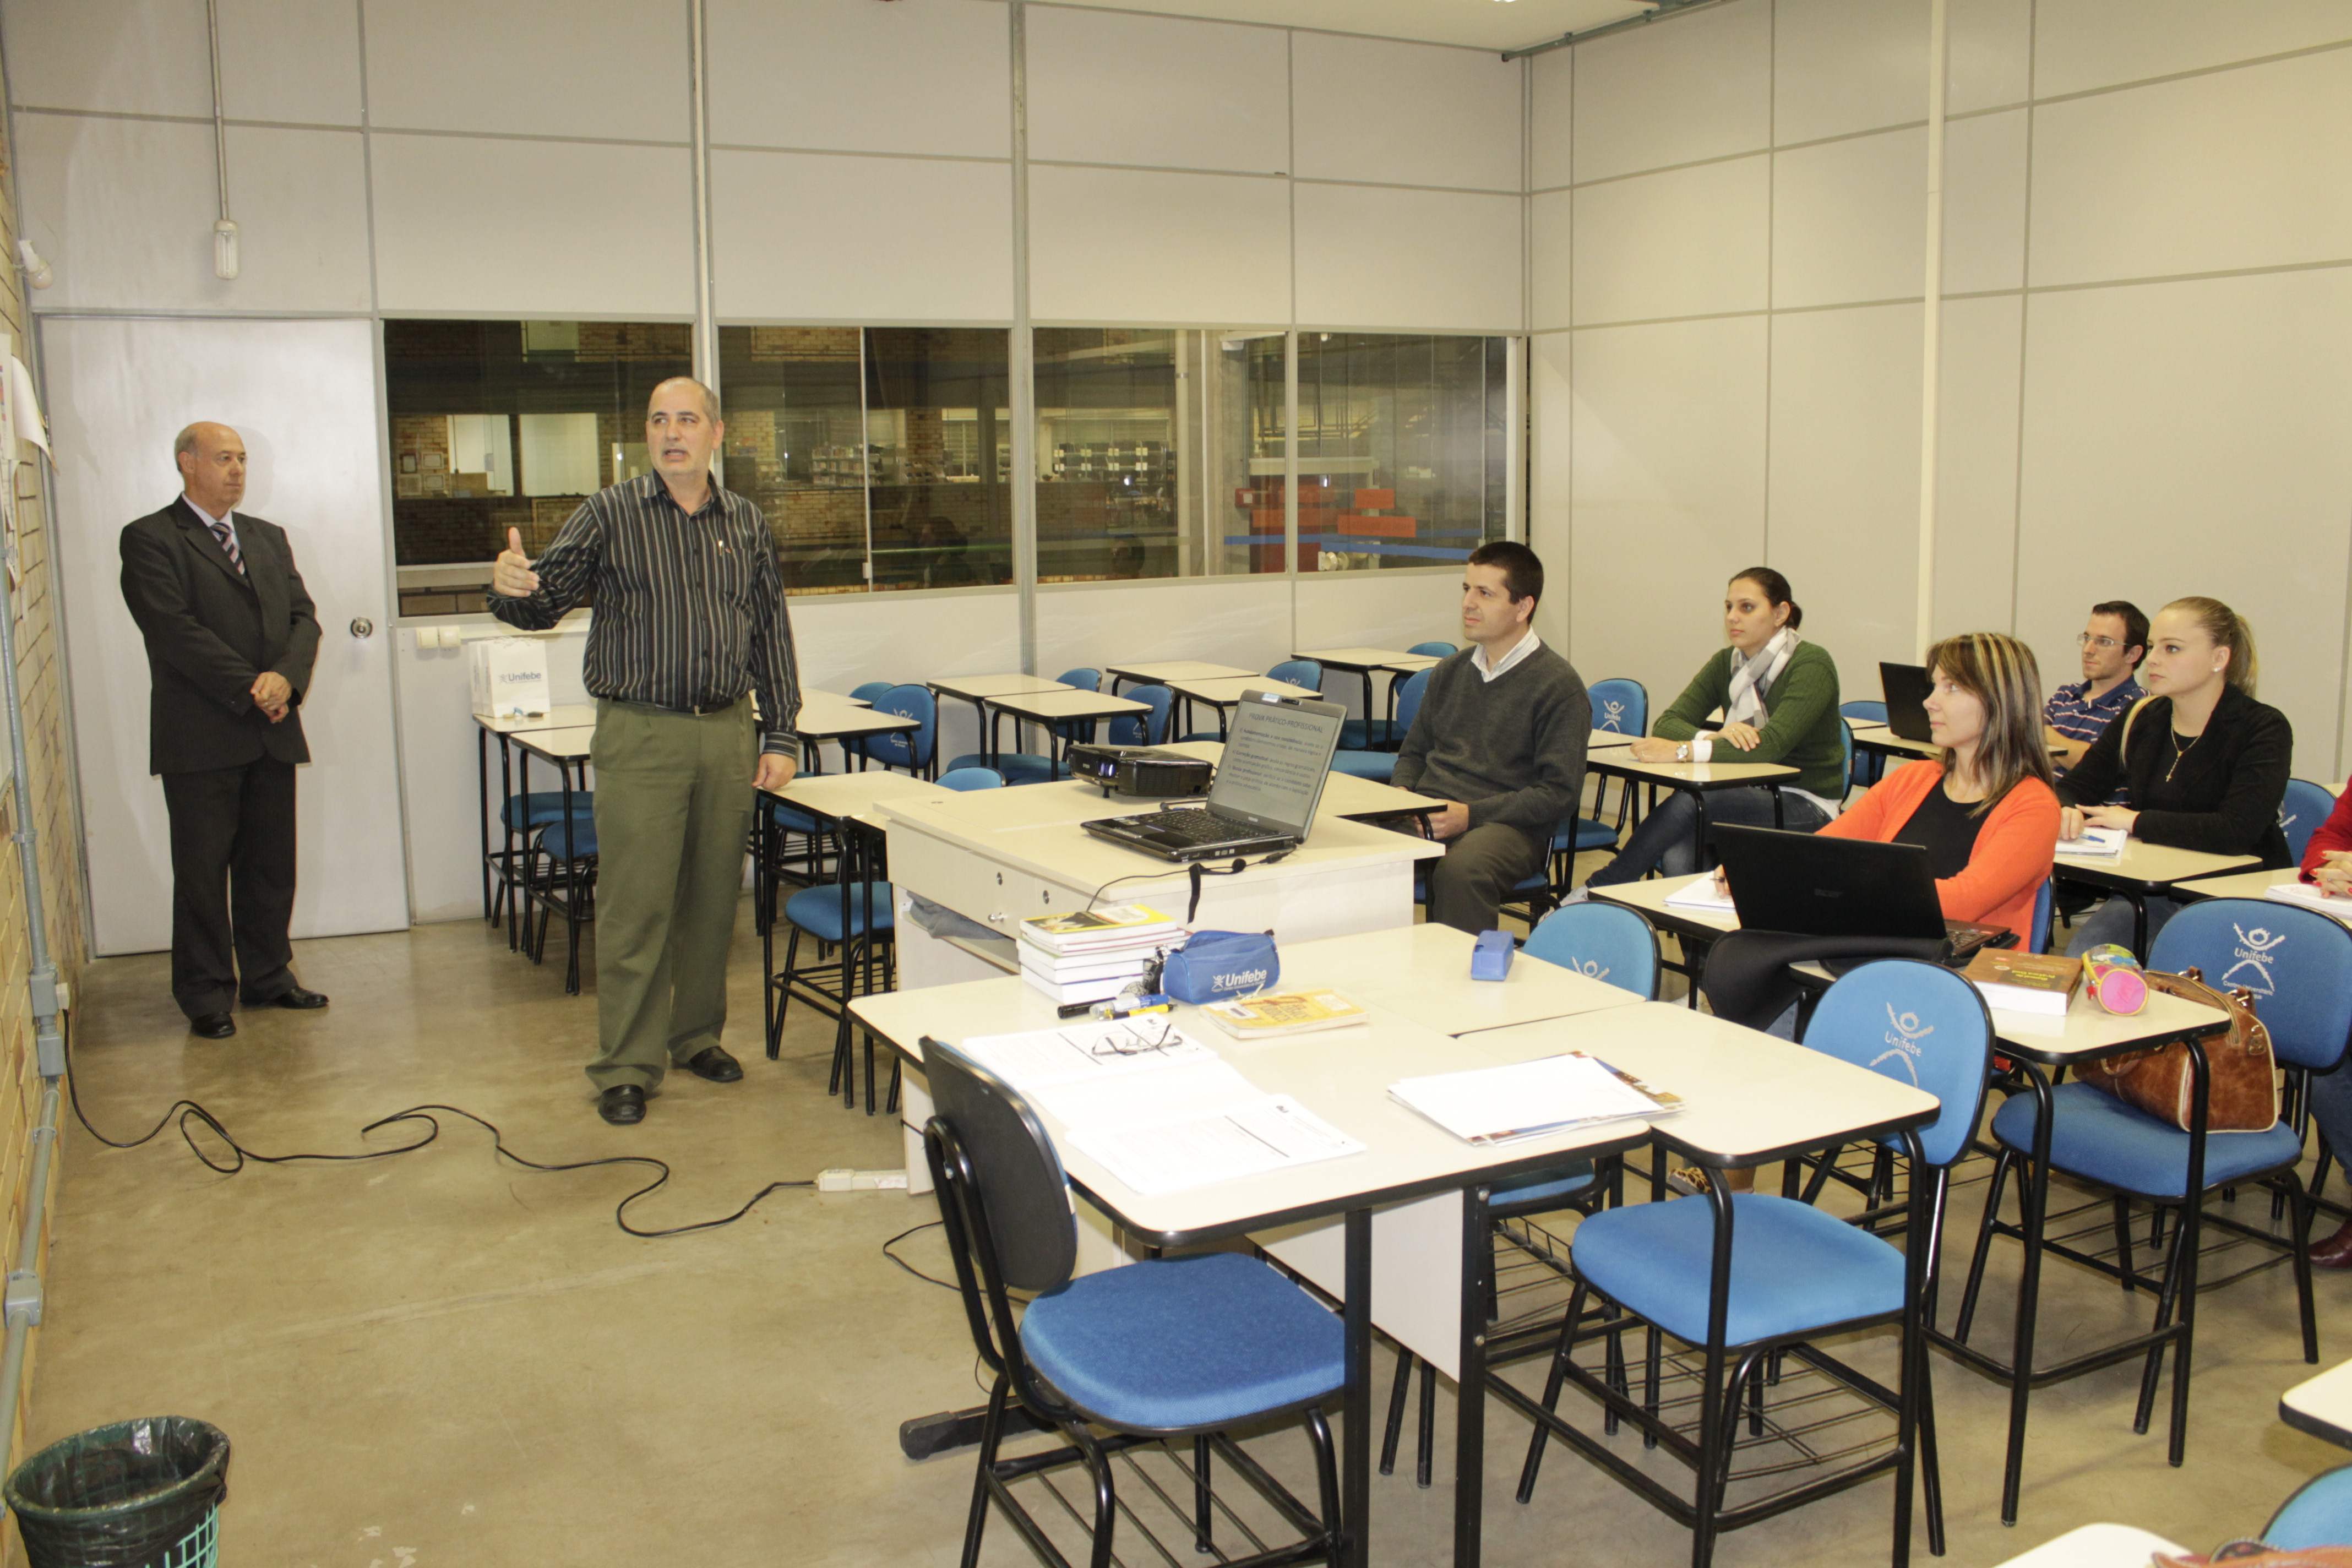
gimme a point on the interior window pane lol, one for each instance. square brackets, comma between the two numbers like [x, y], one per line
[500, 424]
[1402, 448]
[880, 455]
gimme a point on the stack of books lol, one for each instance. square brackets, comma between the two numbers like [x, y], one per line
[2025, 982]
[1095, 954]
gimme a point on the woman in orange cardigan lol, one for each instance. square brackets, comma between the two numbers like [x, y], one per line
[1987, 813]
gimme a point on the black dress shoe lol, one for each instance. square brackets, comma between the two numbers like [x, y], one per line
[623, 1105]
[211, 1026]
[716, 1066]
[293, 996]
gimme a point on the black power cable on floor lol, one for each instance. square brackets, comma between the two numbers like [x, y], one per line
[189, 1115]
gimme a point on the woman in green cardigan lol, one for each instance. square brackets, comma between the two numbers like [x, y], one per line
[1778, 697]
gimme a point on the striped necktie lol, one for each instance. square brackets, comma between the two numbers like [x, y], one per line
[228, 538]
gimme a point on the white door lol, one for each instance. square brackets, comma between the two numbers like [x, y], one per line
[303, 396]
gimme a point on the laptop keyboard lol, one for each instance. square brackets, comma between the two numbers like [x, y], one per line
[1195, 827]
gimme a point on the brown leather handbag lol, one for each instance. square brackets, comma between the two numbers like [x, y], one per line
[2243, 1095]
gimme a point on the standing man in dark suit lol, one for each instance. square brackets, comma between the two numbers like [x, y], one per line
[230, 641]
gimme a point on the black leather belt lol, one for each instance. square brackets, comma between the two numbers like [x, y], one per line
[696, 710]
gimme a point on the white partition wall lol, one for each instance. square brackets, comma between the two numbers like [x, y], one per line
[2143, 381]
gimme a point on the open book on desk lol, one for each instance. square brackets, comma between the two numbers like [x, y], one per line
[1531, 1099]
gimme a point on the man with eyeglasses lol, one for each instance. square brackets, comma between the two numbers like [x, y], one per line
[2113, 644]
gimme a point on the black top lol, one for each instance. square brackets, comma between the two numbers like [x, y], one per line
[1946, 829]
[689, 610]
[211, 631]
[2225, 787]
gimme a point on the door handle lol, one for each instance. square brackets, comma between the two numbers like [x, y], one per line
[362, 627]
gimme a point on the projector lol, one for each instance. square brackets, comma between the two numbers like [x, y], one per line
[1141, 771]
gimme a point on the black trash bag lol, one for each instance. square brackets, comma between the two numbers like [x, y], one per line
[121, 1496]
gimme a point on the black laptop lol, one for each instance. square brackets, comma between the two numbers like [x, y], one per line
[1278, 755]
[1809, 885]
[1906, 689]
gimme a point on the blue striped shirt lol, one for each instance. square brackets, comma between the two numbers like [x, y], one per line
[2079, 717]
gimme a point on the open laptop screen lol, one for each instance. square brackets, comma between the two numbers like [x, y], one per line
[1277, 754]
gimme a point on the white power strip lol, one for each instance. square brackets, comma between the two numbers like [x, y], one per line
[841, 1179]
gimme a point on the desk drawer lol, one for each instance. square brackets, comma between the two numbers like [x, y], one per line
[972, 885]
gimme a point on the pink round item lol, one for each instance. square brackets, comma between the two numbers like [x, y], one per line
[2116, 988]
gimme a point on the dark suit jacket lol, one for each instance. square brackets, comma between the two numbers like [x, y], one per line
[210, 634]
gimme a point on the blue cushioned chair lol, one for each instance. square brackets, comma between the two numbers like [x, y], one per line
[1382, 765]
[560, 879]
[1601, 941]
[1862, 770]
[917, 750]
[2307, 805]
[1622, 707]
[2044, 904]
[1162, 1351]
[1143, 728]
[971, 778]
[2317, 1513]
[2298, 963]
[522, 815]
[1740, 1278]
[869, 693]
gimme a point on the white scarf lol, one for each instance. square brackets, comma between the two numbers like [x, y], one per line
[1752, 678]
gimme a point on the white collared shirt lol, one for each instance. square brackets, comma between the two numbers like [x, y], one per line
[1527, 645]
[227, 518]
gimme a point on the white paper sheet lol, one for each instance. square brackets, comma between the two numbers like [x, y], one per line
[2096, 843]
[2310, 898]
[1524, 1099]
[1086, 1049]
[1705, 893]
[1172, 1153]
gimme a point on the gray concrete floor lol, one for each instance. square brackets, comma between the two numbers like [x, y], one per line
[443, 1359]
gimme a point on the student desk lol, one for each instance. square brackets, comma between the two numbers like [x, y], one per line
[1692, 779]
[1168, 669]
[1608, 741]
[1344, 794]
[1363, 661]
[1763, 1097]
[2255, 884]
[497, 866]
[2145, 870]
[1052, 710]
[977, 689]
[2035, 1041]
[823, 717]
[1224, 694]
[566, 750]
[2322, 1405]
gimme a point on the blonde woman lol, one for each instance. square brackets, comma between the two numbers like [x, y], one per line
[2203, 765]
[1988, 812]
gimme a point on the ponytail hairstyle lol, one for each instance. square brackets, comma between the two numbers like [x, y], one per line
[2000, 672]
[1776, 592]
[2228, 629]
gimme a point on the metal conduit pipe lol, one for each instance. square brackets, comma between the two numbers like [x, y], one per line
[20, 1303]
[1664, 8]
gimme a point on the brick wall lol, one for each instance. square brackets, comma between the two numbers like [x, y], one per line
[40, 679]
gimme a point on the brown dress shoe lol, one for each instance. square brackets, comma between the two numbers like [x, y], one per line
[2336, 1252]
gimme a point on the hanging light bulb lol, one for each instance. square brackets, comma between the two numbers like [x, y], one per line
[224, 262]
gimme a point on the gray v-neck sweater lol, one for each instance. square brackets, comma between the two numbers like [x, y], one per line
[1511, 749]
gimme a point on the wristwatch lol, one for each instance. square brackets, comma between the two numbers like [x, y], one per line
[1682, 752]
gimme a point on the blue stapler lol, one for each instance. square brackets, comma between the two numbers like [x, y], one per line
[1491, 958]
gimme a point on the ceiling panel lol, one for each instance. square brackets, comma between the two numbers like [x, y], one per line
[1479, 23]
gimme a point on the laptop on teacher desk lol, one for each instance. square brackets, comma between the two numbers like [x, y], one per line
[1808, 885]
[1278, 755]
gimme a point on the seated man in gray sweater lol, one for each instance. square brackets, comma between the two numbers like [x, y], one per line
[1500, 738]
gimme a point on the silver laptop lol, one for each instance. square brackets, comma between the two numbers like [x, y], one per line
[1278, 755]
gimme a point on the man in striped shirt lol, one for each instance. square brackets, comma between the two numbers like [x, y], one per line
[2113, 644]
[690, 621]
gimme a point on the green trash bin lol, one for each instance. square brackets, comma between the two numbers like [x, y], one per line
[137, 1494]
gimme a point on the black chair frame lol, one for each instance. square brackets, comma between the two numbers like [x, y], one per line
[1733, 1378]
[981, 1277]
[2176, 1289]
